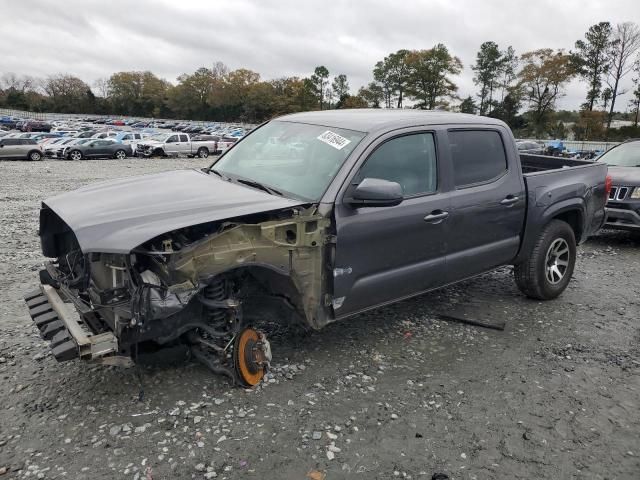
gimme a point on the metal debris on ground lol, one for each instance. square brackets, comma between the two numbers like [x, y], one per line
[499, 325]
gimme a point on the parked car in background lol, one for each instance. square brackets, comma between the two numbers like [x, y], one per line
[105, 134]
[9, 121]
[52, 148]
[99, 148]
[36, 126]
[174, 144]
[42, 136]
[623, 205]
[225, 143]
[20, 149]
[528, 146]
[61, 153]
[85, 134]
[129, 138]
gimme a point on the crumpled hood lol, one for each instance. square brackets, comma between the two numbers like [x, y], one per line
[625, 176]
[117, 216]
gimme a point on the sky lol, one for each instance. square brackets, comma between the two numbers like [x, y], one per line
[92, 39]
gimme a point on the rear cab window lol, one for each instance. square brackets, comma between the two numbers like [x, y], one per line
[477, 156]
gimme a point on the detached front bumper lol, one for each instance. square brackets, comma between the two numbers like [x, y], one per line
[622, 219]
[69, 338]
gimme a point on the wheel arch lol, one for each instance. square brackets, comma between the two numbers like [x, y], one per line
[571, 211]
[575, 218]
[267, 291]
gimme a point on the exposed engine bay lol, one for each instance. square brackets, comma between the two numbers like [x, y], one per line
[206, 285]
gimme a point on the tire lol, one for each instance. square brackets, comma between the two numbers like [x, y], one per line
[549, 266]
[34, 156]
[75, 155]
[120, 154]
[203, 152]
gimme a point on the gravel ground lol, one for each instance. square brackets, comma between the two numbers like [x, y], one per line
[394, 393]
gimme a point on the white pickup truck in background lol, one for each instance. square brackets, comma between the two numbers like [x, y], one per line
[176, 144]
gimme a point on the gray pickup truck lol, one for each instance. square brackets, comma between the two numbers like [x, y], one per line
[313, 217]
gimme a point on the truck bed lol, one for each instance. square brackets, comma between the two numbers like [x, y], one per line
[552, 183]
[532, 164]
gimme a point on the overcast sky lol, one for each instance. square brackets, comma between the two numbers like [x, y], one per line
[92, 39]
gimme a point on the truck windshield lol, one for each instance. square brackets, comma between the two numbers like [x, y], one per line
[624, 155]
[297, 159]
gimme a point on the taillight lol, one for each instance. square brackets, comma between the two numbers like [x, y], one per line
[607, 184]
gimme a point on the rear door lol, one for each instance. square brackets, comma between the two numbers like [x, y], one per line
[387, 253]
[25, 146]
[487, 201]
[184, 146]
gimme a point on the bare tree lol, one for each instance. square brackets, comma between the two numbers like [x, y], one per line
[18, 83]
[625, 44]
[101, 87]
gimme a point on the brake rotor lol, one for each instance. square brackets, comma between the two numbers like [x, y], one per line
[251, 356]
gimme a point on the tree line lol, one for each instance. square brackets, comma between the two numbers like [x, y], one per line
[521, 89]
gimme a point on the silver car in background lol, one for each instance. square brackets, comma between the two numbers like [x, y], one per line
[20, 149]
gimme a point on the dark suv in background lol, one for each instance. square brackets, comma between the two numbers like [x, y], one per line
[36, 126]
[623, 205]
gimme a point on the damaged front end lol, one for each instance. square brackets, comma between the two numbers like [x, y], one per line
[206, 285]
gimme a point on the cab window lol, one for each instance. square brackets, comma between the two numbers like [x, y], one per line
[477, 156]
[409, 160]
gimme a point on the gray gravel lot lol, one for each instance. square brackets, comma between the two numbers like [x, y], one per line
[395, 393]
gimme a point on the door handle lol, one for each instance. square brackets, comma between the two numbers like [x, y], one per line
[436, 216]
[509, 200]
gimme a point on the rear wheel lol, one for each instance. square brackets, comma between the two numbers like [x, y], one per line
[203, 152]
[547, 271]
[35, 156]
[120, 154]
[75, 155]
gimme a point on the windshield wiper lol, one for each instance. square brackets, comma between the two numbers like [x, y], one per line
[220, 174]
[254, 184]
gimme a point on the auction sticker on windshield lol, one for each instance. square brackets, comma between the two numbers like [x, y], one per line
[336, 141]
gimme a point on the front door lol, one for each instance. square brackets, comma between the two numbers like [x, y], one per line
[387, 253]
[8, 147]
[172, 145]
[97, 148]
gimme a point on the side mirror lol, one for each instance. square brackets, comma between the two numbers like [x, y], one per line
[375, 192]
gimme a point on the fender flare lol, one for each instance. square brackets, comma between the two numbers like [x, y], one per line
[534, 226]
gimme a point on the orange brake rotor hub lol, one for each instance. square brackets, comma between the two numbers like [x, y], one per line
[252, 354]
